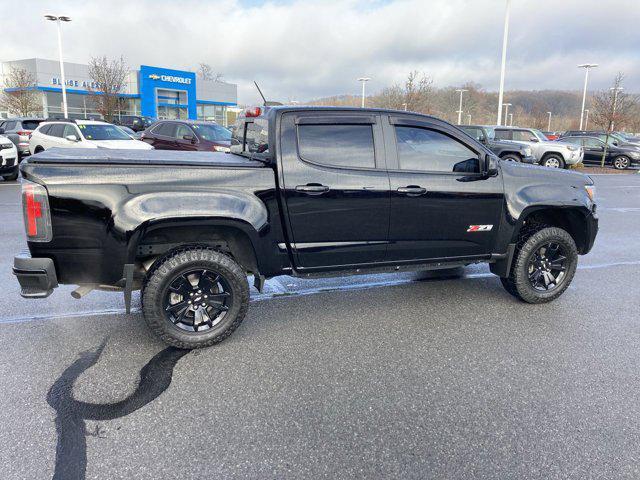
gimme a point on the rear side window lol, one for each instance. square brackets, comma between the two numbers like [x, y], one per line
[56, 130]
[502, 135]
[474, 132]
[45, 129]
[10, 126]
[348, 146]
[166, 129]
[432, 151]
[30, 124]
[522, 135]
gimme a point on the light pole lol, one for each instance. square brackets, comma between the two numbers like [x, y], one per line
[59, 19]
[549, 122]
[511, 119]
[615, 91]
[468, 119]
[586, 118]
[506, 113]
[461, 90]
[364, 80]
[505, 36]
[405, 106]
[586, 67]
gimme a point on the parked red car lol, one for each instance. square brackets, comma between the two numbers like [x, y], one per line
[187, 135]
[552, 135]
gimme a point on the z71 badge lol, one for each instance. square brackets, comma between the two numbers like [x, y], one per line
[479, 228]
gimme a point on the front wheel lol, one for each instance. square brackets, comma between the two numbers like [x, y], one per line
[511, 157]
[11, 178]
[553, 161]
[195, 298]
[543, 267]
[621, 162]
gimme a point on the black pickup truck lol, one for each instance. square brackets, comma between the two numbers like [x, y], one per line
[306, 191]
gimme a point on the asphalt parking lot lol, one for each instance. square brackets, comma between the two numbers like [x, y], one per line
[394, 376]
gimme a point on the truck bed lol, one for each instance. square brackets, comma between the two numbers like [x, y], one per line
[143, 157]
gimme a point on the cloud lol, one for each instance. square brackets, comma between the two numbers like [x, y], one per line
[306, 49]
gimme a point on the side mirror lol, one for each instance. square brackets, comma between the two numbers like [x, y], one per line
[72, 138]
[482, 139]
[534, 139]
[190, 138]
[491, 166]
[615, 142]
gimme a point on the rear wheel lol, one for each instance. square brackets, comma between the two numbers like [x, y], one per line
[553, 161]
[511, 157]
[621, 162]
[544, 265]
[195, 298]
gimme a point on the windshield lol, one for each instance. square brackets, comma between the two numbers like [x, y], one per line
[212, 132]
[491, 132]
[146, 121]
[103, 132]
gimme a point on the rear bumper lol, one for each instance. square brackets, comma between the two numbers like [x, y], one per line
[37, 276]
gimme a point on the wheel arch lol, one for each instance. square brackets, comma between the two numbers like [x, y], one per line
[571, 219]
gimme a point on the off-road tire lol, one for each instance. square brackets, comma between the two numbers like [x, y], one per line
[11, 178]
[553, 156]
[621, 163]
[171, 267]
[518, 284]
[511, 157]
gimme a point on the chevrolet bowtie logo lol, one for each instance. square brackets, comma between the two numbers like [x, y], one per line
[154, 76]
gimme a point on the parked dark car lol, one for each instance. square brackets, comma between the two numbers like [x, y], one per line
[306, 191]
[504, 149]
[18, 131]
[613, 138]
[187, 135]
[134, 122]
[619, 157]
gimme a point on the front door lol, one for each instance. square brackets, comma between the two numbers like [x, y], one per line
[335, 188]
[593, 149]
[441, 205]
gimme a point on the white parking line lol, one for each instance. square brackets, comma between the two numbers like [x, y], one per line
[261, 297]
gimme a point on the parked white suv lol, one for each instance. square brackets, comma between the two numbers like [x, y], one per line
[554, 154]
[82, 134]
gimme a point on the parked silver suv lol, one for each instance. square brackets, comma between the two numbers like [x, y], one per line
[554, 154]
[18, 130]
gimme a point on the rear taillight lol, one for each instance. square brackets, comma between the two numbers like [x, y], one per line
[25, 132]
[35, 210]
[252, 112]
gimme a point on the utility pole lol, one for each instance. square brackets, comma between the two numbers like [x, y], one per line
[586, 67]
[364, 80]
[461, 90]
[586, 119]
[505, 37]
[506, 113]
[549, 122]
[468, 119]
[59, 19]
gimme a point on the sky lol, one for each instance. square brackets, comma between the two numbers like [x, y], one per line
[300, 50]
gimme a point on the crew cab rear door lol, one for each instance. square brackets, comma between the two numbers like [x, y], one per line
[335, 187]
[441, 204]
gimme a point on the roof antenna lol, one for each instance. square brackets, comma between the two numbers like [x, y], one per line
[260, 92]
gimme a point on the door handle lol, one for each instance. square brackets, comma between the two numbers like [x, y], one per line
[312, 189]
[412, 190]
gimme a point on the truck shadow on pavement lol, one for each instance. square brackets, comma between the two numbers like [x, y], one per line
[71, 450]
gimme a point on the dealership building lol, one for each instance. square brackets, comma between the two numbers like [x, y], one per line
[156, 92]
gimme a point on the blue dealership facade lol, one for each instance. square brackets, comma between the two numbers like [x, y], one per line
[150, 91]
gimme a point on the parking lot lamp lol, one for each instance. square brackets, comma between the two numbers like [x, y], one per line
[549, 122]
[511, 119]
[405, 106]
[364, 80]
[506, 113]
[468, 119]
[586, 118]
[59, 19]
[586, 67]
[461, 90]
[505, 36]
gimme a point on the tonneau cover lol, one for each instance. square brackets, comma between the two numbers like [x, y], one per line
[142, 157]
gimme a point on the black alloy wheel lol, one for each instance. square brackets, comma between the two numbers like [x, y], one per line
[547, 267]
[621, 162]
[197, 300]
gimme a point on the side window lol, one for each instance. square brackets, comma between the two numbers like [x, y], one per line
[503, 135]
[57, 130]
[522, 135]
[10, 126]
[593, 143]
[432, 151]
[183, 130]
[167, 129]
[70, 130]
[474, 133]
[573, 140]
[45, 129]
[348, 146]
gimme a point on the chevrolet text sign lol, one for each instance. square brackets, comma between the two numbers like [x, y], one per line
[170, 78]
